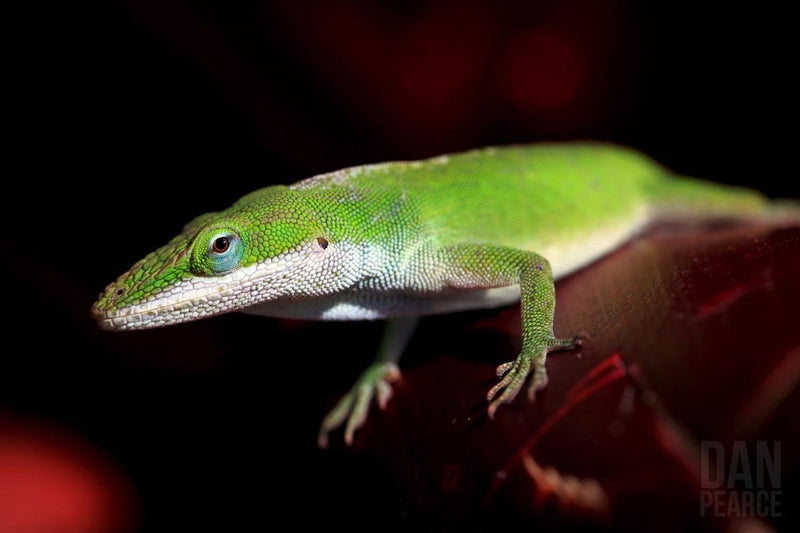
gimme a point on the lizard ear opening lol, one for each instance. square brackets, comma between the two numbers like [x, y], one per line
[322, 242]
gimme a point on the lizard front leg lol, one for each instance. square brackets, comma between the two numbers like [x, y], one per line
[476, 266]
[376, 379]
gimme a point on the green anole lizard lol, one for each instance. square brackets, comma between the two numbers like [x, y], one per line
[396, 241]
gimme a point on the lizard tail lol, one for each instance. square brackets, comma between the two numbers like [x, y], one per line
[681, 197]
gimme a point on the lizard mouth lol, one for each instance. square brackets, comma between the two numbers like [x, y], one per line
[193, 299]
[186, 301]
[103, 318]
[139, 317]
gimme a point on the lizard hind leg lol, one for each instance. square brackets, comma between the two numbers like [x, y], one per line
[374, 382]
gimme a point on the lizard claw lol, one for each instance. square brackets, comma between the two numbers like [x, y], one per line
[503, 369]
[514, 373]
[353, 408]
[513, 376]
[538, 382]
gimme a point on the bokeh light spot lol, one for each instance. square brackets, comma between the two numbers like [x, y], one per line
[51, 482]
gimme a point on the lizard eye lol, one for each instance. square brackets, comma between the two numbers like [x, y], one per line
[220, 245]
[224, 252]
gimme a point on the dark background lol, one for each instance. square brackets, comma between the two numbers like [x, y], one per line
[128, 119]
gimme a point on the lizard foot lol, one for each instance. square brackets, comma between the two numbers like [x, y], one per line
[375, 381]
[514, 373]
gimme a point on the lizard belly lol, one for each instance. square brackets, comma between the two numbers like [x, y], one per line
[380, 306]
[568, 254]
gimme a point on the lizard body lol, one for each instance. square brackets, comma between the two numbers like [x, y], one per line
[400, 240]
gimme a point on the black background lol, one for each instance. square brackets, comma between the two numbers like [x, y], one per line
[128, 119]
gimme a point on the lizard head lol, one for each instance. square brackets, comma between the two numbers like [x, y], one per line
[270, 245]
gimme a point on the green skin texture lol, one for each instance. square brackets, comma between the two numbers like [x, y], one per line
[400, 240]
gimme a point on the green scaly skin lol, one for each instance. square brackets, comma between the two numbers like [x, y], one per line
[399, 240]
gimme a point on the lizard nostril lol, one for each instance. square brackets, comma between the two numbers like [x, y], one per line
[120, 292]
